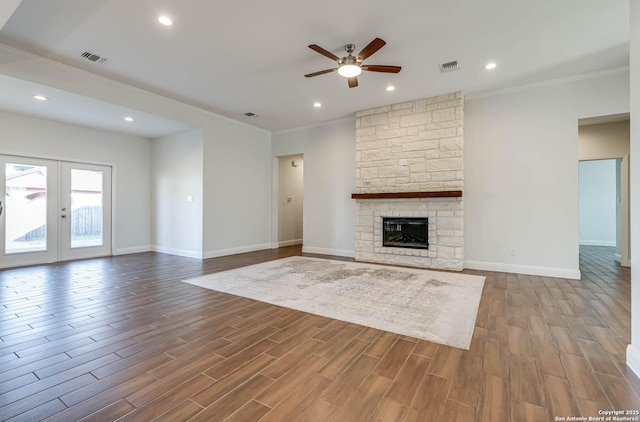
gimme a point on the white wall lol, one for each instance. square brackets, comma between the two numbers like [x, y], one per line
[521, 188]
[237, 188]
[177, 174]
[521, 172]
[290, 199]
[521, 166]
[130, 157]
[236, 156]
[597, 193]
[329, 181]
[633, 351]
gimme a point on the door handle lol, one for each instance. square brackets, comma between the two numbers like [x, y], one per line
[0, 207]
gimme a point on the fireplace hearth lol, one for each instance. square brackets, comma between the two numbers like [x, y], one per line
[405, 232]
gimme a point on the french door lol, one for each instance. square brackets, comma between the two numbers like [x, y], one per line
[53, 211]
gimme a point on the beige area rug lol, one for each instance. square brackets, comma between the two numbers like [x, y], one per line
[430, 305]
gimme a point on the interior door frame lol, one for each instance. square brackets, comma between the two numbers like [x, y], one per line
[275, 198]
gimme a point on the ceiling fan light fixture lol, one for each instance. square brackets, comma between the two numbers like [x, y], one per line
[349, 70]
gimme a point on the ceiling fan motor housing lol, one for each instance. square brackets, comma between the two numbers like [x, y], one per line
[349, 60]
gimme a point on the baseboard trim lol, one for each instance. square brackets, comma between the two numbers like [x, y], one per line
[179, 252]
[290, 242]
[233, 251]
[135, 249]
[328, 251]
[633, 359]
[618, 258]
[523, 269]
[598, 242]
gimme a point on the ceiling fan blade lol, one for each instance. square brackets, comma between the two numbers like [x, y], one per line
[353, 82]
[373, 46]
[381, 68]
[324, 52]
[321, 72]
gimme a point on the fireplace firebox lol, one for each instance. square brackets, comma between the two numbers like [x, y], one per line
[405, 232]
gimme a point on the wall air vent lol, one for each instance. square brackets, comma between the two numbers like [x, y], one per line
[450, 66]
[250, 114]
[93, 57]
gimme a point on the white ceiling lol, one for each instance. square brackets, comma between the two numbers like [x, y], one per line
[17, 96]
[235, 57]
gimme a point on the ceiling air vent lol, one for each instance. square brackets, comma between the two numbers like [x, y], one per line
[250, 114]
[450, 66]
[93, 57]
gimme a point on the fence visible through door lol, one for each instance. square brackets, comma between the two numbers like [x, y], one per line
[53, 210]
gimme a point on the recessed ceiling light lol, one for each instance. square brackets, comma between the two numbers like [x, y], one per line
[40, 97]
[129, 119]
[391, 88]
[317, 105]
[490, 66]
[165, 20]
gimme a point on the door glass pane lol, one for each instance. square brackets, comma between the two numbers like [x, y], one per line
[26, 208]
[86, 208]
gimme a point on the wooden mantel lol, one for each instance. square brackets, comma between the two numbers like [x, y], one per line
[401, 195]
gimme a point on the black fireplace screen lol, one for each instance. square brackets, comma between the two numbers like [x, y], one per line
[405, 232]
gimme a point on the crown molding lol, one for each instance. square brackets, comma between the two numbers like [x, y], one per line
[351, 118]
[547, 83]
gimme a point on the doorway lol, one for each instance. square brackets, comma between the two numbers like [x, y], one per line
[599, 182]
[603, 155]
[53, 211]
[289, 200]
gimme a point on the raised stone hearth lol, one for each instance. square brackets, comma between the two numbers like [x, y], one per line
[414, 147]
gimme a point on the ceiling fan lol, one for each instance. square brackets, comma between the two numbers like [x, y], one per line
[351, 66]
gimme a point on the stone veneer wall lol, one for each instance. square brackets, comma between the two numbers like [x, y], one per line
[412, 147]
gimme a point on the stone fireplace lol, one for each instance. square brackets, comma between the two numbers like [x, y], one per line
[409, 164]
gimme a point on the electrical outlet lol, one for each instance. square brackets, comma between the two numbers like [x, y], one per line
[367, 180]
[513, 251]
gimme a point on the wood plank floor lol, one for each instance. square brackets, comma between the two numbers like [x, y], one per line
[123, 339]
